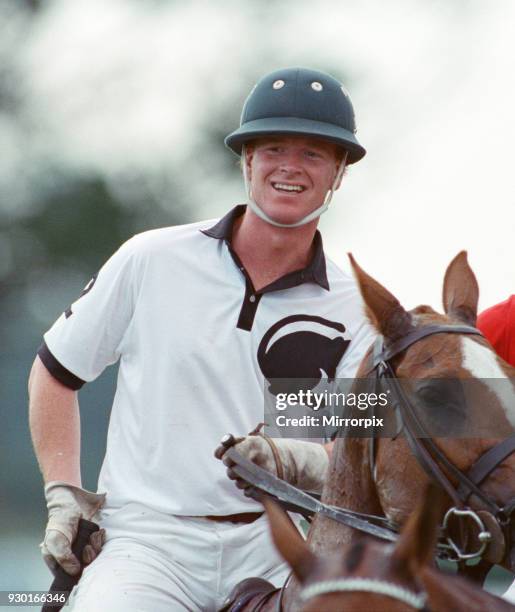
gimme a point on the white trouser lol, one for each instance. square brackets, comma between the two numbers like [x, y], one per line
[154, 562]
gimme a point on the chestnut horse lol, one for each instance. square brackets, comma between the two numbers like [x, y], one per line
[389, 481]
[375, 576]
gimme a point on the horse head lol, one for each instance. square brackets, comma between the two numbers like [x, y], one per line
[464, 425]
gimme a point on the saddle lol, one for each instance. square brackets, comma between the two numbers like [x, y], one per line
[245, 591]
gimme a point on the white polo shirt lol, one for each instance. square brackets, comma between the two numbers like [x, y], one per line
[195, 342]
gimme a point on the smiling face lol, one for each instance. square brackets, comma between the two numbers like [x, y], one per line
[290, 176]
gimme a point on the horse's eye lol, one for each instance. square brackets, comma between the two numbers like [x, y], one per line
[431, 395]
[441, 405]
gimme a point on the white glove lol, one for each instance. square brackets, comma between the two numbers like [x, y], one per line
[303, 464]
[67, 504]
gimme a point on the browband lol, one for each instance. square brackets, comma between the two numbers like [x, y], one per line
[384, 352]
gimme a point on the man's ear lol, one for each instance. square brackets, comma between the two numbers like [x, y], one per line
[249, 154]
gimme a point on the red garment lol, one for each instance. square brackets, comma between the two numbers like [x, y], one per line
[497, 323]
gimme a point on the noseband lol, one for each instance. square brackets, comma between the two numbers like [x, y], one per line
[365, 585]
[431, 458]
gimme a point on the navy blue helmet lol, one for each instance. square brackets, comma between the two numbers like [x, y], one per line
[300, 102]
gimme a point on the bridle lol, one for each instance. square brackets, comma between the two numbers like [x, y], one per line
[435, 463]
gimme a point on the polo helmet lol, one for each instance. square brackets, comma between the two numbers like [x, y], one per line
[298, 102]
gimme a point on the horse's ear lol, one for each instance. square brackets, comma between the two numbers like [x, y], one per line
[416, 544]
[460, 290]
[288, 541]
[383, 309]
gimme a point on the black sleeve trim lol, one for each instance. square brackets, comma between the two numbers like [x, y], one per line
[58, 371]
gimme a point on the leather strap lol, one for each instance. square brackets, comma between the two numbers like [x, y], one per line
[487, 463]
[275, 451]
[423, 456]
[384, 352]
[277, 456]
[242, 517]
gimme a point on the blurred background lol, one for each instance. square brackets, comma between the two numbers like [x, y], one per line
[112, 118]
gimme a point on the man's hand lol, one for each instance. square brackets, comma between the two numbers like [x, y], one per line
[302, 464]
[67, 504]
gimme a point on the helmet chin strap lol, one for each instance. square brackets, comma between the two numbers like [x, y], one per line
[310, 216]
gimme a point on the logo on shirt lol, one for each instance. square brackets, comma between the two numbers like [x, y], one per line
[301, 346]
[68, 312]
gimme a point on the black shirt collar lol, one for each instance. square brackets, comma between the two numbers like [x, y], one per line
[314, 272]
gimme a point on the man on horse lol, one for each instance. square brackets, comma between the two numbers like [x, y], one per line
[200, 316]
